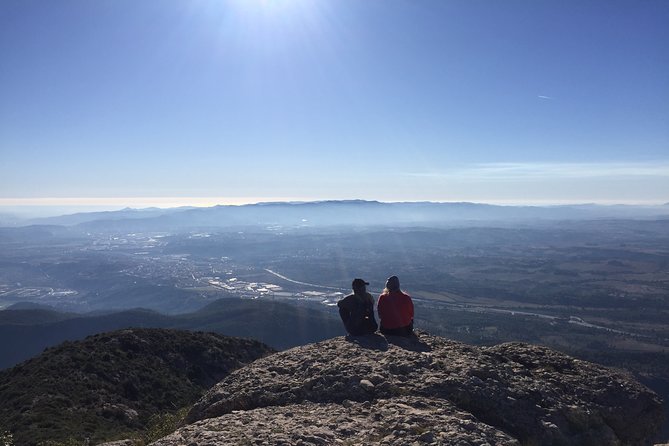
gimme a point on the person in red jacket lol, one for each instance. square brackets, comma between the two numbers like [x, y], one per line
[395, 310]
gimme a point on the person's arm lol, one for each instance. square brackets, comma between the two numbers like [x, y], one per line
[380, 306]
[345, 313]
[370, 306]
[345, 317]
[410, 306]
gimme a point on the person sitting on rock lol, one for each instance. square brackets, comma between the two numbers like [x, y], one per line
[395, 310]
[357, 310]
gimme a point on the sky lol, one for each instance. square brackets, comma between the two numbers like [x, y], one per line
[198, 102]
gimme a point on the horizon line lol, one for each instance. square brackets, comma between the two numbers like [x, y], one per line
[175, 202]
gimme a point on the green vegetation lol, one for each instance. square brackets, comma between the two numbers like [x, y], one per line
[163, 424]
[6, 438]
[112, 385]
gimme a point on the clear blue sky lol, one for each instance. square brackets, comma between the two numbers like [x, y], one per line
[445, 100]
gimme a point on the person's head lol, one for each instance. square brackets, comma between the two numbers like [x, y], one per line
[393, 283]
[359, 286]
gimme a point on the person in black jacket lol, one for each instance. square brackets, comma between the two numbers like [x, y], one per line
[357, 310]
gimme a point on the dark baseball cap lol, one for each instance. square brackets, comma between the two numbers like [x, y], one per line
[358, 283]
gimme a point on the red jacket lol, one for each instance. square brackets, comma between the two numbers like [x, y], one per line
[395, 310]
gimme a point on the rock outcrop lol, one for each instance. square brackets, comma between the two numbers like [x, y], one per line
[424, 390]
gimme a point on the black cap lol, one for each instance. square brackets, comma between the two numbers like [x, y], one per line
[358, 283]
[393, 283]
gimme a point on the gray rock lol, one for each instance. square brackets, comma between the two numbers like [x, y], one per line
[427, 390]
[367, 385]
[330, 423]
[120, 443]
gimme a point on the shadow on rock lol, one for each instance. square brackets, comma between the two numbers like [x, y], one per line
[412, 343]
[373, 341]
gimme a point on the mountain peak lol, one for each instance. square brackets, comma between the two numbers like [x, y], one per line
[389, 390]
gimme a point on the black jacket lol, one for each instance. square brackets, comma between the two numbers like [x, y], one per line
[357, 313]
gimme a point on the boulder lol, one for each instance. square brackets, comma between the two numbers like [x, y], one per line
[392, 390]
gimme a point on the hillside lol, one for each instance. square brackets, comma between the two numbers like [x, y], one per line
[111, 384]
[395, 391]
[279, 325]
[20, 340]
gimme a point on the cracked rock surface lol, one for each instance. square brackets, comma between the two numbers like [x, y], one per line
[424, 390]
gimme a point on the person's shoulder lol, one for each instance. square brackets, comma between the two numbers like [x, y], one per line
[346, 299]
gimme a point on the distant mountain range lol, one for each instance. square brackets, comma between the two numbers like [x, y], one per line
[25, 333]
[334, 213]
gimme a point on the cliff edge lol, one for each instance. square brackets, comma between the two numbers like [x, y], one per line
[424, 390]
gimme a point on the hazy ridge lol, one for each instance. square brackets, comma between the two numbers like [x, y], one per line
[343, 212]
[25, 333]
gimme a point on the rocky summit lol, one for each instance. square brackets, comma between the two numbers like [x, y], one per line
[422, 390]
